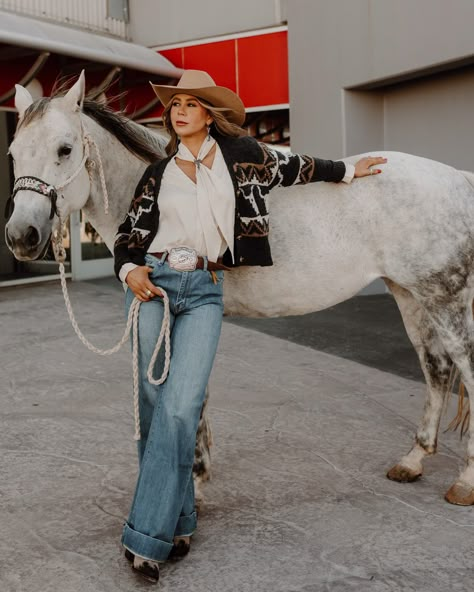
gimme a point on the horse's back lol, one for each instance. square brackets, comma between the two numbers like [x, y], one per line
[330, 240]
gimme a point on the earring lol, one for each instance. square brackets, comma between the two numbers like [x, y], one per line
[208, 132]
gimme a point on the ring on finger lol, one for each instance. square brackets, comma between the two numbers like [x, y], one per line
[148, 293]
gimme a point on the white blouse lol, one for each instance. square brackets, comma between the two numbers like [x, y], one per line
[198, 215]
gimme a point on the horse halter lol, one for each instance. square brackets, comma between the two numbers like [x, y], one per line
[27, 183]
[33, 184]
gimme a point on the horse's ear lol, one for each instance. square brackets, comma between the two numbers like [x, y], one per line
[23, 99]
[74, 97]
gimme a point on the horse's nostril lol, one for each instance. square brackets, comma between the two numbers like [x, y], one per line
[9, 240]
[32, 238]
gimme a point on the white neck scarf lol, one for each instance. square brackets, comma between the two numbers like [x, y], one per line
[212, 199]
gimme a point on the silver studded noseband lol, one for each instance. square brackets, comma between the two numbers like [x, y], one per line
[33, 184]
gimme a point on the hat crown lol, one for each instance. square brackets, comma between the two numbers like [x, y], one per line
[195, 79]
[199, 84]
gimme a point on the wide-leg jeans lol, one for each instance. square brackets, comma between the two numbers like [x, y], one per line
[163, 504]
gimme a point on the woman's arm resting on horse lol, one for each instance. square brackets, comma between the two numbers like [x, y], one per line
[296, 169]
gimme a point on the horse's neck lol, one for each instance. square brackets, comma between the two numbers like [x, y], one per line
[122, 171]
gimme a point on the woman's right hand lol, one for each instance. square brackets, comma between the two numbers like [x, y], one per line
[139, 283]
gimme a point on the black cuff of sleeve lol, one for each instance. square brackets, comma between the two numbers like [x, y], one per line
[339, 171]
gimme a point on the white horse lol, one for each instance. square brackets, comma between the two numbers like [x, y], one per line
[413, 226]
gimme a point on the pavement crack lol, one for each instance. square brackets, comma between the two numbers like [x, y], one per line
[231, 412]
[102, 509]
[389, 496]
[52, 455]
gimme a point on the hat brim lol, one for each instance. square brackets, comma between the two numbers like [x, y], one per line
[217, 96]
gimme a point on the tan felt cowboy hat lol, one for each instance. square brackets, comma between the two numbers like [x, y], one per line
[201, 85]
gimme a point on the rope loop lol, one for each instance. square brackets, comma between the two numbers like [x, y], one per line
[133, 314]
[132, 323]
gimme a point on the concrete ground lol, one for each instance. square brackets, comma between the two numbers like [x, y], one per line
[298, 501]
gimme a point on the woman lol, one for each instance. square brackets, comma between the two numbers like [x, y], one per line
[196, 213]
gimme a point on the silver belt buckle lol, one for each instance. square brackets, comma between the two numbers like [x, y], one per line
[182, 259]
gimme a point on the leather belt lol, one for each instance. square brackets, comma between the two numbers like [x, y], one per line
[211, 265]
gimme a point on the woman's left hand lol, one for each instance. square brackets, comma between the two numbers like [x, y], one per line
[363, 167]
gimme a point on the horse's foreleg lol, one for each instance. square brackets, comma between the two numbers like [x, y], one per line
[202, 454]
[436, 366]
[455, 325]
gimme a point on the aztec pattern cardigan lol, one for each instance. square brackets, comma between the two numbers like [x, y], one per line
[255, 170]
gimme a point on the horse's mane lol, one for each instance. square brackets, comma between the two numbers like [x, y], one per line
[139, 140]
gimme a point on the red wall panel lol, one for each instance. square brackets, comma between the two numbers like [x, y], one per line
[217, 58]
[256, 67]
[175, 56]
[263, 69]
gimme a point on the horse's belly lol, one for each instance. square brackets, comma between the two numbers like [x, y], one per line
[291, 289]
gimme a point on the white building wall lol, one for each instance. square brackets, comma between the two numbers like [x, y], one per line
[433, 117]
[161, 22]
[349, 66]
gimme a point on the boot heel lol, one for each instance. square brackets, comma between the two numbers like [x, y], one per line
[148, 569]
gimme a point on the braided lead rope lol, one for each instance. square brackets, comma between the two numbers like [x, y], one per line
[79, 168]
[88, 141]
[60, 257]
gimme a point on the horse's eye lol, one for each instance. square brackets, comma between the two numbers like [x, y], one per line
[64, 151]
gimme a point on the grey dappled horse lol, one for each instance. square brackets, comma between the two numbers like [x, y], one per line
[413, 226]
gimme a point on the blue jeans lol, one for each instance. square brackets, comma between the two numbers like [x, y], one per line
[163, 504]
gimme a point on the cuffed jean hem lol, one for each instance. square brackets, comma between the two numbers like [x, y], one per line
[144, 545]
[186, 525]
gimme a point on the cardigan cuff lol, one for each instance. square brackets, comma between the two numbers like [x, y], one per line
[338, 172]
[124, 271]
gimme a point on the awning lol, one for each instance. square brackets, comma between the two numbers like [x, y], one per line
[34, 34]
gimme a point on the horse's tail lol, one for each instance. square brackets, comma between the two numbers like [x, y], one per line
[461, 420]
[464, 408]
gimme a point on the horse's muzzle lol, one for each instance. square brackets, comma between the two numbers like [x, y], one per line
[25, 245]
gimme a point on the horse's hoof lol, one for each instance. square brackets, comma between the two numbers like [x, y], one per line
[403, 474]
[461, 494]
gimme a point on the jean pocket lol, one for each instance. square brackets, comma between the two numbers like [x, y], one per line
[155, 264]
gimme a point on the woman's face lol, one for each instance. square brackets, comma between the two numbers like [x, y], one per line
[188, 116]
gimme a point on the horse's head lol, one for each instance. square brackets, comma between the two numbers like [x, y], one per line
[48, 149]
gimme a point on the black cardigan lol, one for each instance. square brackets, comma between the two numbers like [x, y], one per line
[255, 169]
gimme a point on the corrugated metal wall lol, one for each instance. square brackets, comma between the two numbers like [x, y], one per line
[92, 15]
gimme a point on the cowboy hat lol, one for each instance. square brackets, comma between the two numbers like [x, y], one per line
[199, 84]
